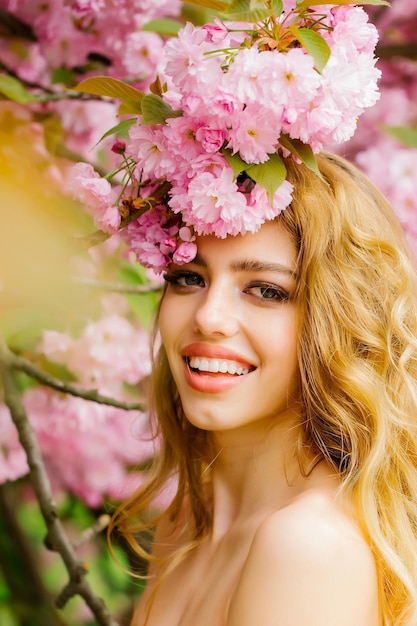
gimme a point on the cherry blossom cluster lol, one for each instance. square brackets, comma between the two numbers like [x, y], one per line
[238, 97]
[389, 128]
[396, 177]
[75, 33]
[87, 447]
[68, 39]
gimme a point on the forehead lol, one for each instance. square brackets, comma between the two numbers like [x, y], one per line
[271, 245]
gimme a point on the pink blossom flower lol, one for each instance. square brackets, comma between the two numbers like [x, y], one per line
[86, 7]
[215, 205]
[13, 462]
[211, 139]
[224, 104]
[209, 162]
[290, 79]
[168, 245]
[147, 147]
[109, 353]
[56, 346]
[96, 194]
[84, 123]
[253, 137]
[216, 32]
[150, 255]
[186, 63]
[245, 75]
[262, 208]
[185, 253]
[103, 440]
[151, 238]
[141, 54]
[351, 27]
[180, 136]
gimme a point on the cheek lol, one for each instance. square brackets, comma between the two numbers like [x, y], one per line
[163, 325]
[170, 320]
[285, 347]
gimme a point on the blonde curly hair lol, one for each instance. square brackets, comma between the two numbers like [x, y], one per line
[358, 364]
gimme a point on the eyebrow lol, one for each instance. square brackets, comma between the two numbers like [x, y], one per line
[254, 265]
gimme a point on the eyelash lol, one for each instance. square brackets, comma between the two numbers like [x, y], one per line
[280, 295]
[174, 278]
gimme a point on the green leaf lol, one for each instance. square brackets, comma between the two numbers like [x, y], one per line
[278, 7]
[120, 129]
[216, 5]
[303, 152]
[111, 88]
[13, 89]
[247, 11]
[270, 174]
[237, 164]
[156, 111]
[63, 75]
[406, 134]
[315, 45]
[130, 107]
[163, 27]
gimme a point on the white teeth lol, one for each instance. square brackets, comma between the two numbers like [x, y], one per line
[216, 365]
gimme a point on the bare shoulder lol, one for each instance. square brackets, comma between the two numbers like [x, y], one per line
[308, 563]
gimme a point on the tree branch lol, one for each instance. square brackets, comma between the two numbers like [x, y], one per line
[29, 596]
[49, 95]
[56, 538]
[20, 363]
[406, 50]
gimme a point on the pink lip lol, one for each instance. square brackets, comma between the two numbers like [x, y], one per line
[214, 383]
[211, 351]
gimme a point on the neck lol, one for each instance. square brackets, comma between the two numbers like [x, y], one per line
[254, 472]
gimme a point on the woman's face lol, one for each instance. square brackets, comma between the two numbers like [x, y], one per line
[229, 323]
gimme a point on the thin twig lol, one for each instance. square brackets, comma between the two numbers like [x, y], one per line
[24, 365]
[57, 537]
[89, 533]
[118, 287]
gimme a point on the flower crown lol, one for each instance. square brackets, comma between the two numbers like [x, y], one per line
[205, 148]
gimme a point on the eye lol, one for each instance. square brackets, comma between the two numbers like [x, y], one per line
[267, 291]
[181, 278]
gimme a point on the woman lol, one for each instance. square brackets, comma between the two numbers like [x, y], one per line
[285, 396]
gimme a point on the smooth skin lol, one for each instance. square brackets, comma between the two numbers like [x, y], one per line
[285, 549]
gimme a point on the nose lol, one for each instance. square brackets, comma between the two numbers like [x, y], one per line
[216, 312]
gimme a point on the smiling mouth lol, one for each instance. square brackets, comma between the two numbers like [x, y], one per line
[204, 365]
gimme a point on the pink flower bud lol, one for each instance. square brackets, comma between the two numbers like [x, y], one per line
[119, 146]
[185, 253]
